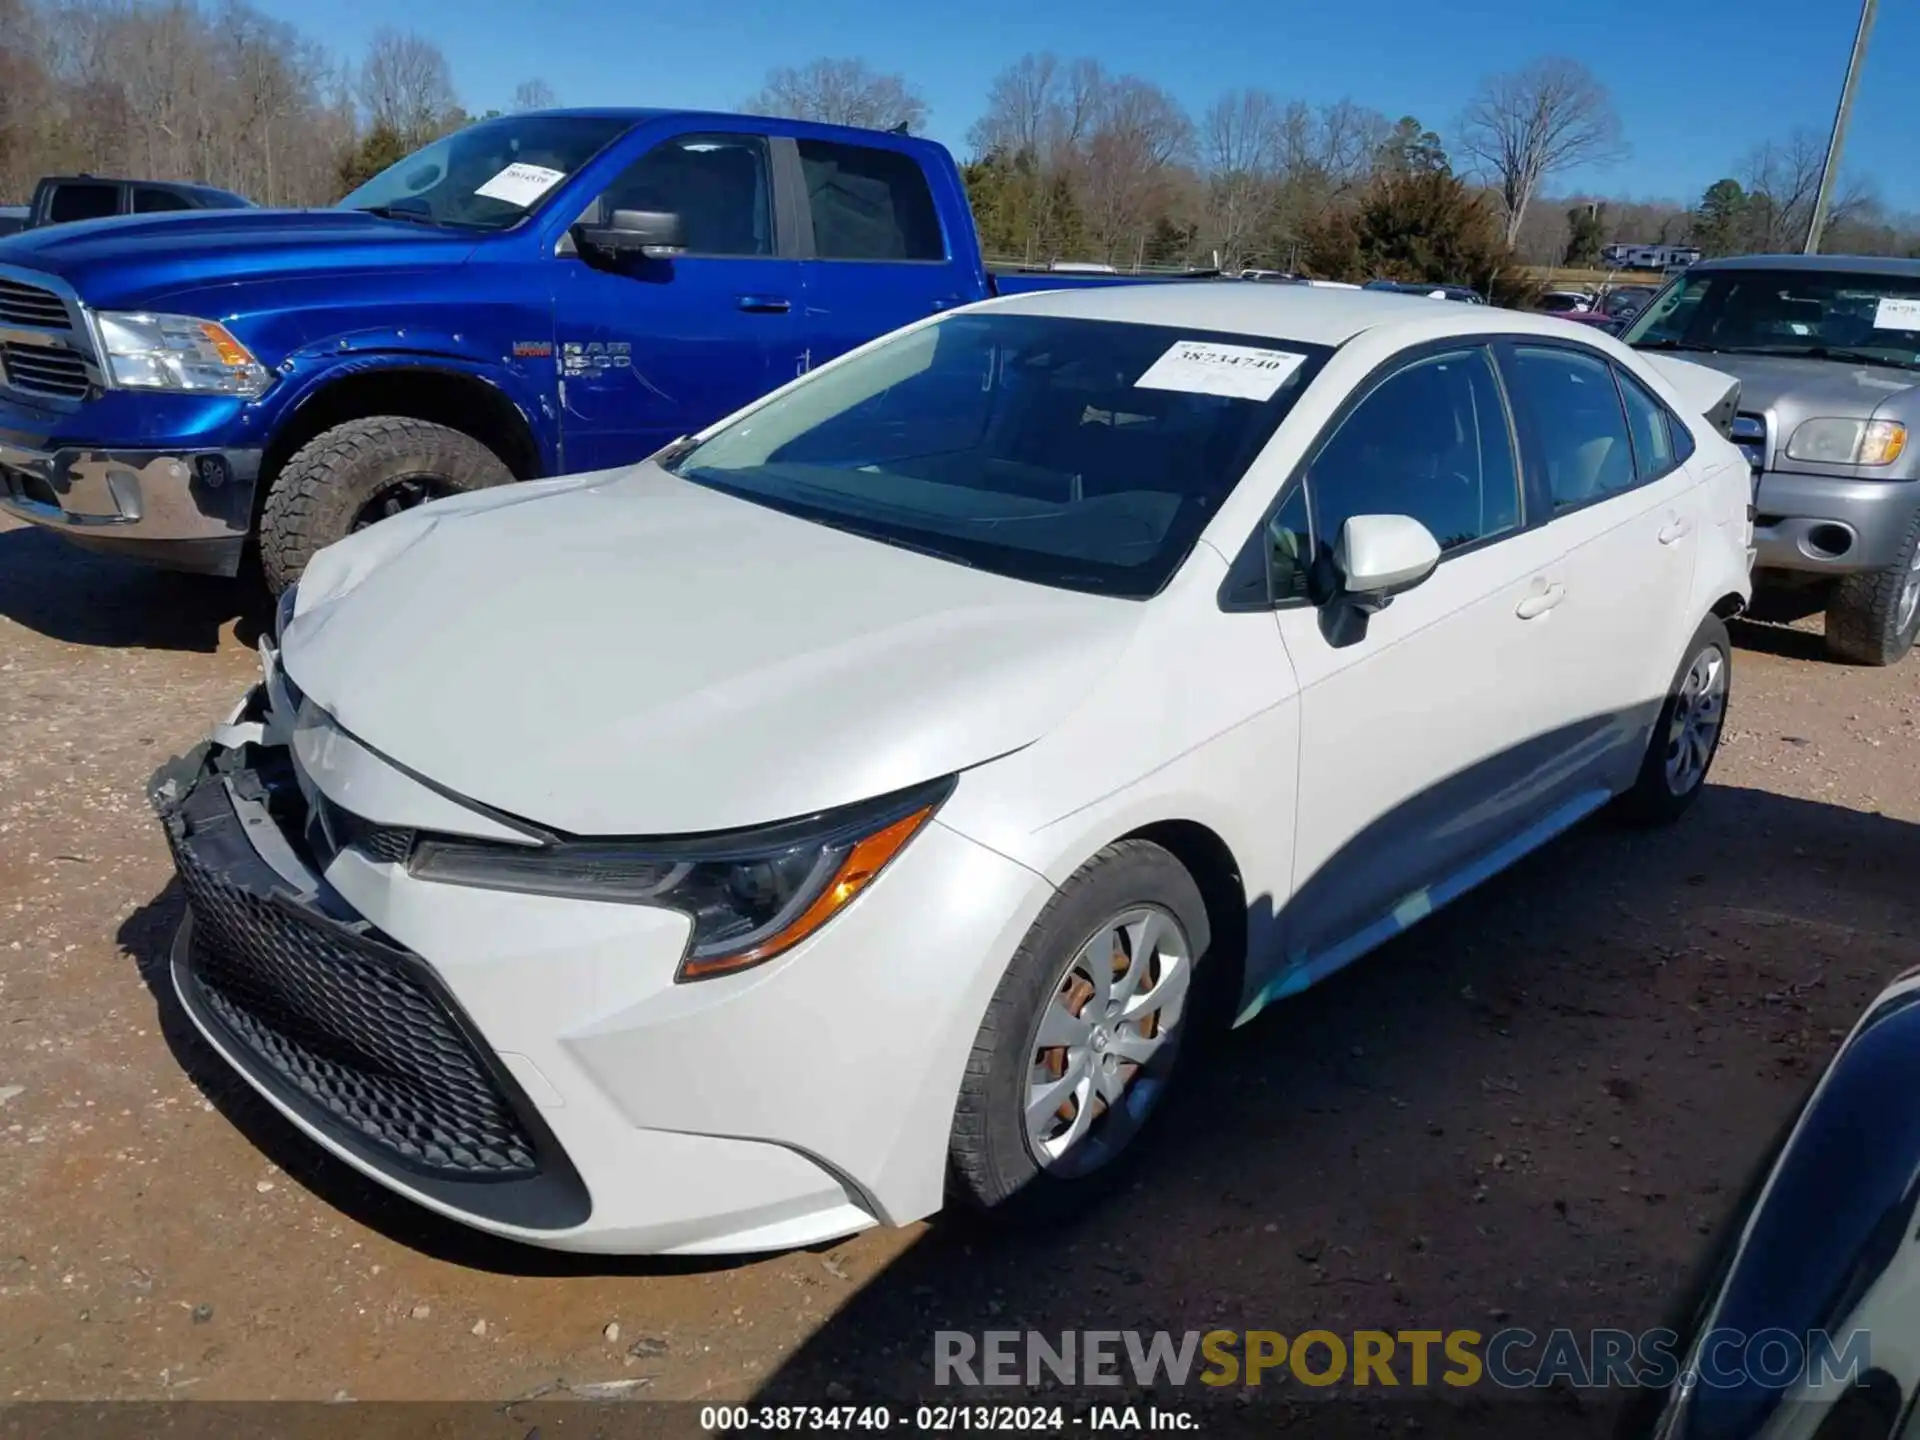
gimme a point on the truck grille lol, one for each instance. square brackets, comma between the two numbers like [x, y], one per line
[43, 370]
[22, 304]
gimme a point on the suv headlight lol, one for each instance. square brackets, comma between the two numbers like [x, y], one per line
[177, 352]
[1848, 442]
[751, 894]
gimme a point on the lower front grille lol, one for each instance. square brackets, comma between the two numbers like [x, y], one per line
[43, 370]
[354, 1033]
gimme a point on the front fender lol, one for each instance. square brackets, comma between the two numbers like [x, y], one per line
[524, 382]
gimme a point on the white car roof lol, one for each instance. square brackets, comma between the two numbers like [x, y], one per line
[1309, 314]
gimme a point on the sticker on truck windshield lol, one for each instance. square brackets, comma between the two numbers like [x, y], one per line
[1201, 367]
[1898, 312]
[521, 184]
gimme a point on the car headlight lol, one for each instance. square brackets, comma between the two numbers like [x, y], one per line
[1848, 442]
[751, 894]
[177, 352]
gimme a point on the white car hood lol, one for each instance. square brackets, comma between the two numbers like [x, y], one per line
[630, 654]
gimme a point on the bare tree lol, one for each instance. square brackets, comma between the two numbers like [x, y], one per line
[1240, 147]
[534, 95]
[840, 92]
[1534, 122]
[1139, 133]
[1782, 178]
[406, 86]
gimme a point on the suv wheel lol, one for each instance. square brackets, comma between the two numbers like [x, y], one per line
[1873, 616]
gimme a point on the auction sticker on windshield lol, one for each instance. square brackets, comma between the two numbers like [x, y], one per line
[521, 184]
[1897, 312]
[1204, 367]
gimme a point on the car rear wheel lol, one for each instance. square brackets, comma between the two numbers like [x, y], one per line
[1686, 736]
[355, 474]
[1872, 617]
[1084, 1039]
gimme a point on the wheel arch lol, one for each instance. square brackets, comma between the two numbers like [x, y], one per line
[1211, 861]
[438, 394]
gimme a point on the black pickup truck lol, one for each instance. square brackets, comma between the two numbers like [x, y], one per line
[60, 198]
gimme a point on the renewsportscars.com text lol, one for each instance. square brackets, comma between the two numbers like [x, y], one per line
[1514, 1359]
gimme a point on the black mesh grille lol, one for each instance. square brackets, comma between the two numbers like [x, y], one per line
[343, 1021]
[44, 370]
[30, 305]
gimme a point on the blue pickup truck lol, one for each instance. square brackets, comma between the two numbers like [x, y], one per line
[535, 295]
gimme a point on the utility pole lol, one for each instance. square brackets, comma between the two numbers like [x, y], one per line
[1839, 137]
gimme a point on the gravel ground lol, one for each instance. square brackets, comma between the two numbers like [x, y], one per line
[1528, 1111]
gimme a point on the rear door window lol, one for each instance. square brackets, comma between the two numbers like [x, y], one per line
[148, 200]
[1574, 408]
[869, 204]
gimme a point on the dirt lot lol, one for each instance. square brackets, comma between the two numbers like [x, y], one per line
[1527, 1111]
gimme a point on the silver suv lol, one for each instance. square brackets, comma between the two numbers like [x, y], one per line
[1827, 352]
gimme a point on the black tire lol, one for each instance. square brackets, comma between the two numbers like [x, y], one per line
[1863, 614]
[994, 1171]
[1653, 800]
[324, 491]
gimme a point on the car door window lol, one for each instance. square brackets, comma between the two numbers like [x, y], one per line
[1432, 441]
[869, 204]
[83, 202]
[1575, 411]
[1650, 426]
[717, 184]
[147, 200]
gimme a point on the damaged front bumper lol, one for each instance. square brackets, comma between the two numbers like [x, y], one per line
[346, 1031]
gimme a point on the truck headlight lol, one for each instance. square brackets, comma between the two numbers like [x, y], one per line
[178, 352]
[1848, 442]
[751, 894]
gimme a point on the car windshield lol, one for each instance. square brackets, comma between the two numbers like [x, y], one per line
[487, 176]
[1081, 454]
[1861, 318]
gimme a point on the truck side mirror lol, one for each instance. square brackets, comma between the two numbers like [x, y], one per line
[656, 234]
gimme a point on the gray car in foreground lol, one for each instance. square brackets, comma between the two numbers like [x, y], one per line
[1827, 352]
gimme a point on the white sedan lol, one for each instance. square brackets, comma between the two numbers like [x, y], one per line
[880, 797]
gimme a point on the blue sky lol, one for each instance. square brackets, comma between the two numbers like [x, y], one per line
[1695, 87]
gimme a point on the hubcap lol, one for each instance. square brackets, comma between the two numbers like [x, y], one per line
[1909, 596]
[1100, 1055]
[1698, 711]
[401, 494]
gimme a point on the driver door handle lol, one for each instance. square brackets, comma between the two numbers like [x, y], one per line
[1539, 602]
[1676, 530]
[764, 304]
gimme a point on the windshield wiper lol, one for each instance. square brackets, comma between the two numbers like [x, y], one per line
[395, 212]
[1847, 357]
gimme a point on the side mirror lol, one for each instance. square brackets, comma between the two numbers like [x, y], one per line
[1380, 556]
[656, 234]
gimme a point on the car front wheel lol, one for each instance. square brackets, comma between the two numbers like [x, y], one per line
[1084, 1037]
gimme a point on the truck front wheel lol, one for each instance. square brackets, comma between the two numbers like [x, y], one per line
[346, 478]
[1872, 616]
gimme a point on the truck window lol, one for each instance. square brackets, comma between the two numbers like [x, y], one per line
[718, 185]
[147, 199]
[869, 204]
[82, 201]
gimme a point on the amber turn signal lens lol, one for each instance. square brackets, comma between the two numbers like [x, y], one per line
[864, 861]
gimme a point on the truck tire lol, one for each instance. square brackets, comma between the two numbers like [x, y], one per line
[1872, 616]
[346, 478]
